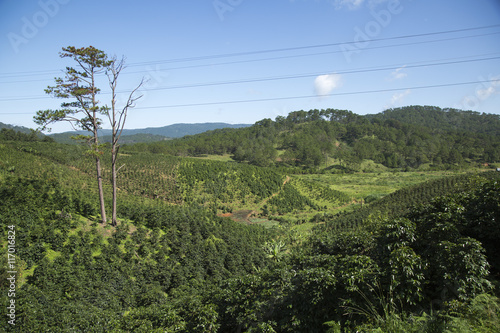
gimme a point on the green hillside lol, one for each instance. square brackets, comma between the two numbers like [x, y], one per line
[443, 119]
[412, 138]
[21, 129]
[269, 242]
[8, 132]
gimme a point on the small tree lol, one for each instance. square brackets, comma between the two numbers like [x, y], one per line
[117, 118]
[83, 111]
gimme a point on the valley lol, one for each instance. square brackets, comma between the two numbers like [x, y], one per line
[260, 229]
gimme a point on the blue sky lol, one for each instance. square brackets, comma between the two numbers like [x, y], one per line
[239, 61]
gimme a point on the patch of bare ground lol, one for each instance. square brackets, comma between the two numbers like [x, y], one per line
[239, 215]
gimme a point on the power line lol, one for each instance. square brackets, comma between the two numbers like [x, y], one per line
[227, 55]
[301, 97]
[287, 77]
[314, 96]
[281, 57]
[317, 53]
[298, 76]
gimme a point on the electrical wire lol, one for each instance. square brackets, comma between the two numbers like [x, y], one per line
[287, 77]
[496, 81]
[226, 55]
[318, 96]
[299, 76]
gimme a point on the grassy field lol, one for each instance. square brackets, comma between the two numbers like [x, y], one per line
[360, 185]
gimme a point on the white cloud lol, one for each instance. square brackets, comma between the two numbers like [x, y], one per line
[398, 74]
[487, 89]
[325, 84]
[350, 4]
[397, 98]
[485, 93]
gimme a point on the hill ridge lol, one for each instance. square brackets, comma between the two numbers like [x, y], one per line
[402, 138]
[149, 134]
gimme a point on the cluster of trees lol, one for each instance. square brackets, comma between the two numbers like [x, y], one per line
[10, 134]
[398, 138]
[444, 119]
[173, 265]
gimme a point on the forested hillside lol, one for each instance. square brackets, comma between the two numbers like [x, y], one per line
[447, 119]
[14, 133]
[21, 129]
[416, 137]
[282, 233]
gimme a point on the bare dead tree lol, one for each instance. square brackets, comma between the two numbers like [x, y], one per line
[117, 118]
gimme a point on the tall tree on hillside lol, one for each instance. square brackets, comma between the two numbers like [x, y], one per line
[83, 110]
[117, 118]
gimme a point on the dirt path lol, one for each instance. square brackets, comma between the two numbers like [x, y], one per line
[287, 179]
[264, 202]
[244, 215]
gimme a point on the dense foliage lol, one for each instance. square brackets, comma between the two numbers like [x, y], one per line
[409, 137]
[447, 119]
[9, 134]
[421, 264]
[81, 279]
[421, 259]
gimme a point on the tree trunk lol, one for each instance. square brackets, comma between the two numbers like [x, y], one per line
[117, 121]
[101, 190]
[113, 183]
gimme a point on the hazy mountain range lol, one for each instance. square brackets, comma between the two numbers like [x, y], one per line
[149, 134]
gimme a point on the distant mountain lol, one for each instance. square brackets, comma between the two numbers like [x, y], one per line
[136, 138]
[151, 134]
[180, 130]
